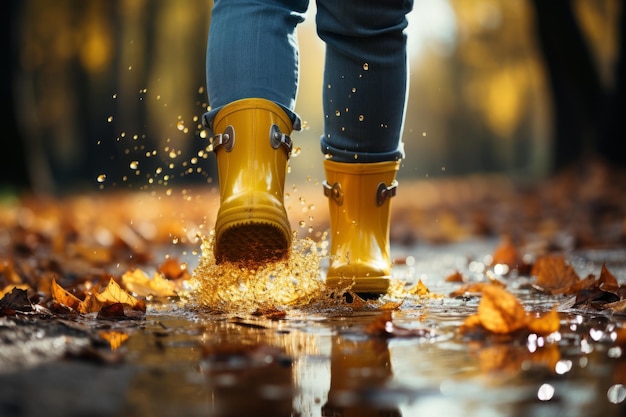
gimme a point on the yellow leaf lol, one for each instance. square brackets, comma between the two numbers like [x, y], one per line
[113, 293]
[138, 282]
[419, 289]
[61, 296]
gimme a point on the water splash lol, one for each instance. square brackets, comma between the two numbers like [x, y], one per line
[231, 287]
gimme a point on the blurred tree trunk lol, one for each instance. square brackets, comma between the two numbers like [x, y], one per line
[586, 118]
[611, 145]
[13, 169]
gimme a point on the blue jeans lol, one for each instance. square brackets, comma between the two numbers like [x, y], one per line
[253, 52]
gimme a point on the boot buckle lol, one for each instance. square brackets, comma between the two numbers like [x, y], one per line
[226, 139]
[333, 191]
[383, 192]
[277, 138]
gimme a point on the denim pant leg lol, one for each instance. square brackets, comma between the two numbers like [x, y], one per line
[365, 78]
[252, 52]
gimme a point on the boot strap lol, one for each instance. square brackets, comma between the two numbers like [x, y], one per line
[383, 192]
[333, 191]
[227, 139]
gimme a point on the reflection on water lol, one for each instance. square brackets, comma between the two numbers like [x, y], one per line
[316, 362]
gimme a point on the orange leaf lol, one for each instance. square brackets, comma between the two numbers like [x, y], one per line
[500, 311]
[61, 296]
[419, 289]
[506, 253]
[474, 287]
[455, 277]
[545, 324]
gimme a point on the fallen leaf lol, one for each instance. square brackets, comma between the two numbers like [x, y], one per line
[506, 253]
[455, 277]
[140, 284]
[172, 268]
[474, 288]
[500, 311]
[554, 275]
[16, 300]
[545, 324]
[271, 313]
[113, 293]
[63, 297]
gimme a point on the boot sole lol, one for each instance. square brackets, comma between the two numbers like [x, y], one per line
[360, 285]
[251, 235]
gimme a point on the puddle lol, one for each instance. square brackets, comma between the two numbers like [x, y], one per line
[190, 361]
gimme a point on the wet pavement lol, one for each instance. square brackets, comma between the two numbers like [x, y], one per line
[322, 360]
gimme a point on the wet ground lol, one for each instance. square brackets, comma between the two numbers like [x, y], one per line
[319, 361]
[398, 357]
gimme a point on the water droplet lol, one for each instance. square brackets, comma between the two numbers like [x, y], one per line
[366, 66]
[302, 223]
[180, 125]
[101, 177]
[134, 164]
[361, 117]
[545, 392]
[296, 151]
[354, 89]
[110, 119]
[337, 113]
[616, 394]
[172, 154]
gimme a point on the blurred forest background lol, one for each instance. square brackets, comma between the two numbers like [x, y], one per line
[109, 93]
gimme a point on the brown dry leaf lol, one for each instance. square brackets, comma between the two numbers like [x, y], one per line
[455, 277]
[555, 276]
[507, 254]
[138, 282]
[607, 281]
[174, 269]
[617, 306]
[272, 313]
[6, 290]
[15, 300]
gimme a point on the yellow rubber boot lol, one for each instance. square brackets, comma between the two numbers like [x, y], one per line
[252, 148]
[359, 203]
